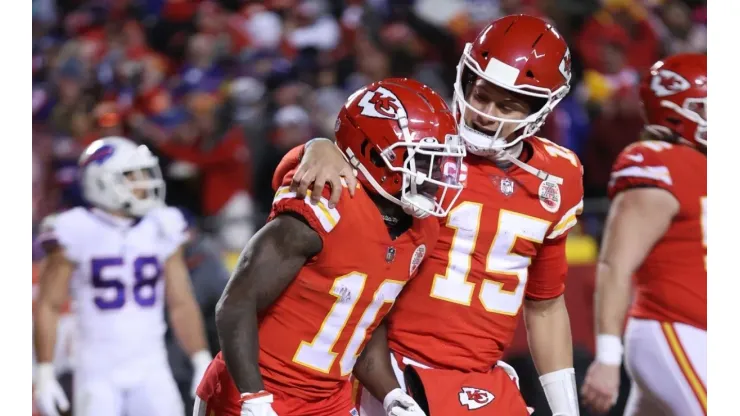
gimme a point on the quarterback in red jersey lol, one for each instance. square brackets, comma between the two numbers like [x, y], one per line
[502, 246]
[656, 231]
[312, 286]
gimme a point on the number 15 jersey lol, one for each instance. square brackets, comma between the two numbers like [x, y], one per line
[503, 241]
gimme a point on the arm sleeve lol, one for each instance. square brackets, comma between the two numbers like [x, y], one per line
[60, 230]
[549, 268]
[319, 217]
[640, 166]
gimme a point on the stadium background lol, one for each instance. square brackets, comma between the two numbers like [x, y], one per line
[220, 90]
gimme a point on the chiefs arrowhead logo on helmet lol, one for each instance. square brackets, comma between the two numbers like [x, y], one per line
[382, 103]
[475, 398]
[666, 83]
[565, 66]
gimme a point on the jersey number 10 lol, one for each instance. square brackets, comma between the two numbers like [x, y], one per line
[147, 272]
[318, 354]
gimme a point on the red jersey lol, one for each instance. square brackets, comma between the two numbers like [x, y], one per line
[312, 335]
[671, 283]
[503, 240]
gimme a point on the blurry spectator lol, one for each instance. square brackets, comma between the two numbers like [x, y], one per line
[292, 128]
[613, 98]
[309, 25]
[326, 102]
[201, 70]
[222, 163]
[680, 34]
[627, 19]
[107, 122]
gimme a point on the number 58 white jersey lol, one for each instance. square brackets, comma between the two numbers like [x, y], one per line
[117, 288]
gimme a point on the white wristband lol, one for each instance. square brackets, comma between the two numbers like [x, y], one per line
[201, 358]
[609, 349]
[560, 391]
[45, 371]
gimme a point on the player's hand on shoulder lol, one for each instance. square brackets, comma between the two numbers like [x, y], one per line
[257, 404]
[323, 164]
[398, 403]
[48, 394]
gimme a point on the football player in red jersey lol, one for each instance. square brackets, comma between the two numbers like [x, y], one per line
[502, 246]
[656, 231]
[314, 283]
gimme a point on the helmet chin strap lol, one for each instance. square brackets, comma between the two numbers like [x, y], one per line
[539, 173]
[509, 154]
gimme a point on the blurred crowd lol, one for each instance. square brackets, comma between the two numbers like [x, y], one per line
[220, 90]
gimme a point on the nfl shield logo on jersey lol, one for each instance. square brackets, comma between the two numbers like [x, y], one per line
[550, 196]
[417, 258]
[475, 398]
[507, 186]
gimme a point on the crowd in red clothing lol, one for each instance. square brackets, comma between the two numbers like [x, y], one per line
[220, 90]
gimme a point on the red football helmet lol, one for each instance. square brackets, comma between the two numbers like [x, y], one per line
[401, 136]
[674, 96]
[523, 54]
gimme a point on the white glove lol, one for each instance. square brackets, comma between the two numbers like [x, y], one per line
[398, 403]
[200, 360]
[257, 404]
[49, 395]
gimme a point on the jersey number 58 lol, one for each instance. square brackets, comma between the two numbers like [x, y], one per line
[106, 275]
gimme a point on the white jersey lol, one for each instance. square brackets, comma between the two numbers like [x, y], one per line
[117, 289]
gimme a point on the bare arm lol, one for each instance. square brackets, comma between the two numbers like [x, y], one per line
[267, 265]
[551, 346]
[637, 219]
[185, 317]
[548, 333]
[373, 368]
[54, 278]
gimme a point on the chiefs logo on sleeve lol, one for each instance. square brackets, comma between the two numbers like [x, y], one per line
[382, 103]
[475, 398]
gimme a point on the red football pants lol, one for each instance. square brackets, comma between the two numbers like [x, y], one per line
[218, 396]
[452, 393]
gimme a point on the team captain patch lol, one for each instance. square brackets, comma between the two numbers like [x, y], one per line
[417, 258]
[550, 196]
